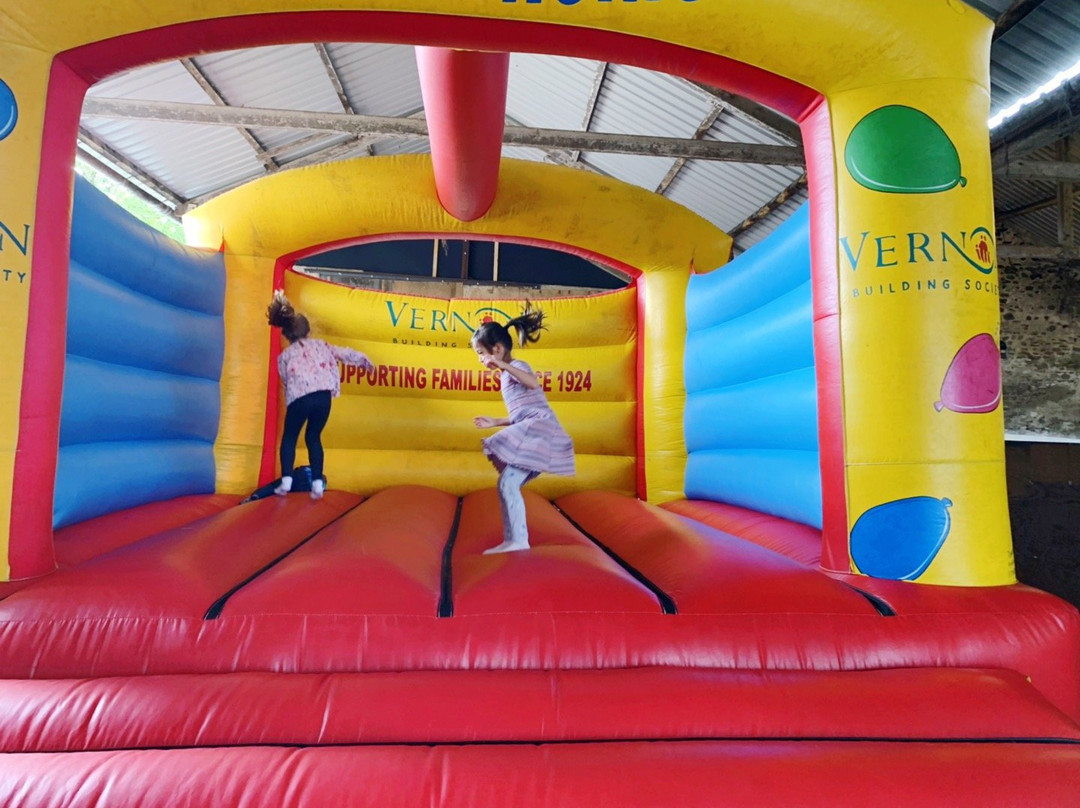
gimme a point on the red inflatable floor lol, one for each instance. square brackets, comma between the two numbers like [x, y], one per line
[168, 630]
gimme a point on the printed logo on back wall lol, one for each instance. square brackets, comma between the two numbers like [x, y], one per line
[9, 110]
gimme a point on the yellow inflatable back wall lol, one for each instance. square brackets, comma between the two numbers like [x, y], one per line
[410, 420]
[612, 363]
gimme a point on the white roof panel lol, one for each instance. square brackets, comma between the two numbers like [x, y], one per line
[378, 79]
[549, 92]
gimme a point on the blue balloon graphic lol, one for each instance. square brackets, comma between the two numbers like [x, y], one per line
[899, 539]
[9, 110]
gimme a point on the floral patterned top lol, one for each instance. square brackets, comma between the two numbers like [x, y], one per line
[309, 365]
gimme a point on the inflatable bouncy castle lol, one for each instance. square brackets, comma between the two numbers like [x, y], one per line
[781, 576]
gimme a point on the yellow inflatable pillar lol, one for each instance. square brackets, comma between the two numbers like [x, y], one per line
[663, 321]
[918, 294]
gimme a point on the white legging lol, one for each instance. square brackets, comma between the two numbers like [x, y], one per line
[511, 478]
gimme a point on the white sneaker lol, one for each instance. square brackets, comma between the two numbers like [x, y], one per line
[284, 487]
[317, 489]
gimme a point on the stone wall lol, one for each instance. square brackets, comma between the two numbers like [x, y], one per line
[1040, 331]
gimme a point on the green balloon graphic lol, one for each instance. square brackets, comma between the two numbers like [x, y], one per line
[901, 150]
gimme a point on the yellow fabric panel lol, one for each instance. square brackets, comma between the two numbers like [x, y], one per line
[663, 386]
[599, 374]
[374, 196]
[238, 448]
[917, 280]
[417, 414]
[826, 45]
[407, 320]
[977, 551]
[420, 424]
[371, 470]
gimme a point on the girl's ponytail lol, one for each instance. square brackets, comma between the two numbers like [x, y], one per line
[529, 324]
[280, 313]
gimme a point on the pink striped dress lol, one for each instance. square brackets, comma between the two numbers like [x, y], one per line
[535, 440]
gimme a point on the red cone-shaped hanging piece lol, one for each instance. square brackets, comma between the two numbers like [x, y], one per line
[465, 105]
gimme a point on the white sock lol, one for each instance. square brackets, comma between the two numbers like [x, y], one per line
[317, 488]
[284, 487]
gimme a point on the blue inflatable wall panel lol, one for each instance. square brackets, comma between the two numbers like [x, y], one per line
[140, 331]
[778, 337]
[781, 482]
[777, 412]
[145, 344]
[751, 408]
[119, 247]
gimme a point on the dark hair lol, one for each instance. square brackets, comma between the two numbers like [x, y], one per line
[528, 324]
[281, 313]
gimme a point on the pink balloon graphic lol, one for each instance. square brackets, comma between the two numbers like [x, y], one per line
[973, 381]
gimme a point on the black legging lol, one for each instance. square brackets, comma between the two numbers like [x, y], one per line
[315, 409]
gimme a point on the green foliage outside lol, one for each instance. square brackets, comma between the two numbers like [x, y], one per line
[131, 202]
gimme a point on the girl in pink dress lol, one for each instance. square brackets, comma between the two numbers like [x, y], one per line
[308, 369]
[533, 440]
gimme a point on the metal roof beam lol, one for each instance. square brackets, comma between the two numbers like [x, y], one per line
[135, 176]
[335, 79]
[1014, 15]
[326, 155]
[208, 87]
[766, 209]
[124, 181]
[1033, 207]
[1019, 252]
[561, 157]
[1063, 171]
[590, 108]
[334, 76]
[699, 133]
[764, 153]
[770, 118]
[308, 140]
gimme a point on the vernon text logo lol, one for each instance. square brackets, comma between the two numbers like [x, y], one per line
[975, 248]
[13, 239]
[414, 318]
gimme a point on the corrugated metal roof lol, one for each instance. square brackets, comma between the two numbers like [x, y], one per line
[189, 160]
[543, 91]
[549, 92]
[1039, 226]
[278, 77]
[378, 79]
[1033, 51]
[636, 101]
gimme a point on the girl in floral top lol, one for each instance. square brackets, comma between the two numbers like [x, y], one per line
[308, 369]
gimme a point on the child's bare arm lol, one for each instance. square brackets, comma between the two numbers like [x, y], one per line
[525, 377]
